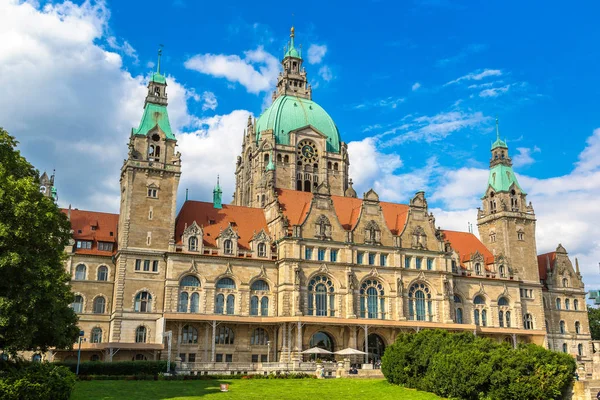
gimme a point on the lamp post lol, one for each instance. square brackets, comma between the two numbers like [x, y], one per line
[169, 336]
[80, 338]
[268, 350]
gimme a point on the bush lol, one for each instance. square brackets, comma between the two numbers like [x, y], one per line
[118, 367]
[467, 367]
[35, 381]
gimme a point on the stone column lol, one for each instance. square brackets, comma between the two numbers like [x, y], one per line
[299, 338]
[283, 341]
[289, 339]
[367, 344]
[206, 343]
[214, 334]
[179, 338]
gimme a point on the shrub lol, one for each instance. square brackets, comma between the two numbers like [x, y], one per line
[118, 367]
[35, 381]
[467, 367]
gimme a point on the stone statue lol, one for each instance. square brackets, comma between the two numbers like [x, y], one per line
[400, 287]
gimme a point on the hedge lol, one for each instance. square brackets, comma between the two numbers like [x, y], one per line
[462, 366]
[118, 367]
[35, 381]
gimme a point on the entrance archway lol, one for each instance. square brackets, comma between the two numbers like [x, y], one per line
[322, 340]
[376, 347]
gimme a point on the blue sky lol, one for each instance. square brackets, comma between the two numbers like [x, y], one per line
[414, 87]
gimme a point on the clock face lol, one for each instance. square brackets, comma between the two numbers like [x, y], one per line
[307, 151]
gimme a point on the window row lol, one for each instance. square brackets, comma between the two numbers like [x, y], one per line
[99, 306]
[223, 336]
[87, 245]
[81, 273]
[567, 304]
[419, 263]
[145, 265]
[562, 327]
[309, 253]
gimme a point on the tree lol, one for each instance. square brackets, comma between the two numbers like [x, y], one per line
[34, 290]
[594, 317]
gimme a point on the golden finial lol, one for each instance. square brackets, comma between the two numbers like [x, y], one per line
[292, 32]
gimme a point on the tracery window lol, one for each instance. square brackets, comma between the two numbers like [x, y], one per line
[420, 305]
[458, 310]
[503, 312]
[372, 300]
[577, 327]
[321, 296]
[480, 311]
[262, 250]
[528, 321]
[256, 300]
[228, 246]
[193, 243]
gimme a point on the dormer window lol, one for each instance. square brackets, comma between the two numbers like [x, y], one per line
[262, 250]
[502, 271]
[477, 268]
[193, 243]
[228, 246]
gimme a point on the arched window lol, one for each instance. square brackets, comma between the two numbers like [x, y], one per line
[372, 300]
[259, 337]
[480, 313]
[564, 346]
[219, 303]
[189, 281]
[264, 306]
[501, 318]
[96, 335]
[230, 304]
[322, 340]
[262, 250]
[140, 334]
[102, 273]
[576, 305]
[580, 349]
[459, 315]
[483, 317]
[224, 335]
[420, 306]
[527, 321]
[476, 316]
[577, 327]
[260, 285]
[193, 243]
[80, 272]
[562, 328]
[228, 245]
[507, 316]
[77, 304]
[143, 302]
[558, 304]
[279, 158]
[99, 305]
[226, 283]
[567, 304]
[502, 301]
[189, 335]
[321, 297]
[195, 303]
[479, 300]
[183, 302]
[502, 271]
[458, 311]
[254, 305]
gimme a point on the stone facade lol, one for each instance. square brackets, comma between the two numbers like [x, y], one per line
[288, 266]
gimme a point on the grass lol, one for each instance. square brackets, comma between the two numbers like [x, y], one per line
[329, 389]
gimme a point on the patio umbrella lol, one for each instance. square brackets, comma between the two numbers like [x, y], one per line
[316, 350]
[350, 352]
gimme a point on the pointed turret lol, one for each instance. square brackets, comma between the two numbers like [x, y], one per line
[292, 81]
[217, 195]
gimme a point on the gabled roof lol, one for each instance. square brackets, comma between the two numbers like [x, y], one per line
[295, 205]
[543, 263]
[94, 226]
[466, 244]
[245, 221]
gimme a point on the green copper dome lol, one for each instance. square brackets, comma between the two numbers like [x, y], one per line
[499, 143]
[288, 113]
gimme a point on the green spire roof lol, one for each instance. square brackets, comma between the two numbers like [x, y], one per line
[502, 178]
[157, 76]
[499, 142]
[292, 51]
[154, 114]
[217, 195]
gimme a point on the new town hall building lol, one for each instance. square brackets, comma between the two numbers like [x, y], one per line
[299, 259]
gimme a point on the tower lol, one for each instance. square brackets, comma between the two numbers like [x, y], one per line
[506, 223]
[292, 80]
[47, 186]
[150, 176]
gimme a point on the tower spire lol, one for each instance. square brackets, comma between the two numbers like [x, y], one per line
[217, 195]
[497, 129]
[159, 56]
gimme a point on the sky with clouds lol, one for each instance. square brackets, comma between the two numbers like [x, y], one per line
[413, 86]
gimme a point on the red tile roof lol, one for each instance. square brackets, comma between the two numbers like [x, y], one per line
[246, 221]
[94, 226]
[295, 205]
[467, 244]
[543, 262]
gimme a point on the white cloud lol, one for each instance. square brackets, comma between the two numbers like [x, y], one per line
[476, 76]
[524, 156]
[257, 71]
[123, 48]
[388, 102]
[416, 86]
[325, 73]
[210, 101]
[494, 92]
[316, 53]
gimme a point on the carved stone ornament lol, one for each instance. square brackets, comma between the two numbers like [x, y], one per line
[374, 272]
[192, 230]
[263, 272]
[228, 270]
[194, 267]
[324, 269]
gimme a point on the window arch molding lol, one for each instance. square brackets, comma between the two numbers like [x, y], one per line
[151, 300]
[80, 273]
[102, 268]
[260, 296]
[106, 303]
[83, 301]
[260, 278]
[322, 290]
[480, 304]
[226, 295]
[421, 301]
[147, 333]
[373, 293]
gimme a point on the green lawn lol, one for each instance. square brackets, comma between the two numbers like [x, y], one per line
[311, 389]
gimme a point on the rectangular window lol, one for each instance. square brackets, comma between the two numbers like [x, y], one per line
[192, 357]
[84, 244]
[360, 257]
[419, 262]
[219, 358]
[228, 357]
[146, 265]
[254, 358]
[429, 264]
[263, 358]
[371, 259]
[182, 356]
[138, 264]
[383, 260]
[321, 254]
[105, 246]
[407, 260]
[333, 253]
[308, 253]
[155, 266]
[153, 193]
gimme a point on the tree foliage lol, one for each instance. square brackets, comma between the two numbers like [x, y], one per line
[594, 317]
[462, 366]
[34, 294]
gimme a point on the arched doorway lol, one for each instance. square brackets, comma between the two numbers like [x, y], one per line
[324, 341]
[376, 347]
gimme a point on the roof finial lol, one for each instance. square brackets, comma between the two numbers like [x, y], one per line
[159, 55]
[186, 194]
[217, 195]
[497, 129]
